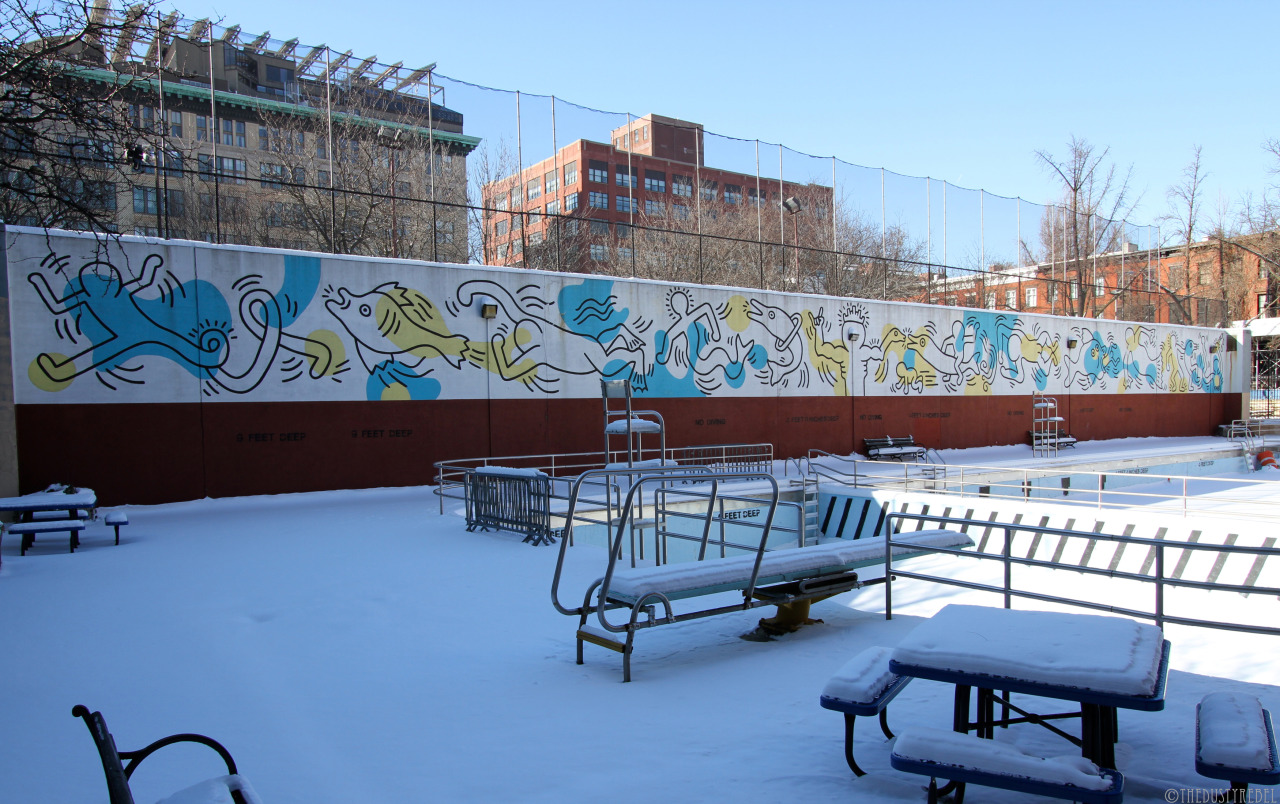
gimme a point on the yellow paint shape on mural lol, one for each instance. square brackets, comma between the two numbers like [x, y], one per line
[420, 329]
[482, 355]
[317, 341]
[1169, 363]
[830, 358]
[45, 374]
[395, 393]
[1124, 384]
[735, 315]
[977, 386]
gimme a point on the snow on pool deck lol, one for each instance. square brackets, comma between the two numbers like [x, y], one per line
[358, 646]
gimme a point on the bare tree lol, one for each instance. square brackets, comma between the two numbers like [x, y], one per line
[1096, 200]
[62, 135]
[1185, 201]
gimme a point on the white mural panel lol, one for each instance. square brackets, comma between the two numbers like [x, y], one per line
[124, 320]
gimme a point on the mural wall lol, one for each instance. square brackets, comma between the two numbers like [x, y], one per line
[194, 337]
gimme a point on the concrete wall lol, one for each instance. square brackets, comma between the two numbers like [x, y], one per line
[170, 370]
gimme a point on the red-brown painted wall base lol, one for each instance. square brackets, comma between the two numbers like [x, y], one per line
[158, 453]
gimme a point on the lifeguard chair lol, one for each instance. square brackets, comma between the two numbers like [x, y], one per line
[628, 423]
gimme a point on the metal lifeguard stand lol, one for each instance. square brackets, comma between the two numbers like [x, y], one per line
[627, 422]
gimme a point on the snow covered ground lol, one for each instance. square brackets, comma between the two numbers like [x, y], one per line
[357, 646]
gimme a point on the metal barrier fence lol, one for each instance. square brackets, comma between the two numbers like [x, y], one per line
[1153, 571]
[510, 499]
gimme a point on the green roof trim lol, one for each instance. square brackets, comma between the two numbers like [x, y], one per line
[234, 99]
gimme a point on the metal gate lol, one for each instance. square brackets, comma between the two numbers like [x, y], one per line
[1264, 399]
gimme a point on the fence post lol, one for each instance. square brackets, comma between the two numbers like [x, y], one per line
[888, 570]
[1008, 567]
[1160, 585]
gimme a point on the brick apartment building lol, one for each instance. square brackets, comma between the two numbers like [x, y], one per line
[647, 196]
[1210, 283]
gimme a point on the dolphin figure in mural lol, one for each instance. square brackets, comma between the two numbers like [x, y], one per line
[787, 350]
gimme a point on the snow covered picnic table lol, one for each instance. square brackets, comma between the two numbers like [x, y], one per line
[32, 513]
[1103, 663]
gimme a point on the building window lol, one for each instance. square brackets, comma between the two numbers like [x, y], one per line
[991, 301]
[517, 248]
[322, 149]
[444, 232]
[599, 253]
[1205, 269]
[144, 200]
[1099, 287]
[233, 133]
[624, 204]
[708, 191]
[1075, 289]
[227, 168]
[1011, 299]
[271, 176]
[571, 173]
[535, 238]
[597, 172]
[570, 227]
[599, 227]
[622, 230]
[553, 207]
[624, 176]
[655, 181]
[682, 186]
[645, 130]
[756, 197]
[500, 203]
[570, 202]
[322, 178]
[655, 208]
[680, 212]
[534, 188]
[264, 139]
[732, 194]
[502, 251]
[500, 228]
[552, 181]
[1031, 297]
[535, 215]
[1263, 306]
[598, 200]
[625, 252]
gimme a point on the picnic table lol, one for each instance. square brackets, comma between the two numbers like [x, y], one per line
[57, 508]
[1102, 663]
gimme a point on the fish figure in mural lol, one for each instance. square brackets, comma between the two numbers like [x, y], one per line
[787, 349]
[592, 340]
[120, 322]
[392, 324]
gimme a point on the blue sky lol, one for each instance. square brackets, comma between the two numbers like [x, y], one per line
[965, 92]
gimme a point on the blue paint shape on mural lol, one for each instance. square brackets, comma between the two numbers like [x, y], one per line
[588, 309]
[389, 373]
[298, 290]
[123, 326]
[992, 333]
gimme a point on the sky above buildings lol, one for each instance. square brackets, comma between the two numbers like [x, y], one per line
[961, 92]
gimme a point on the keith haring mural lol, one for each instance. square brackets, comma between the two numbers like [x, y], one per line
[122, 320]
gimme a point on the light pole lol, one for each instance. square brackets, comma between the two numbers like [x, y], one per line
[794, 207]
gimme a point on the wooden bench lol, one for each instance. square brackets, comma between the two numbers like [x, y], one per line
[895, 449]
[212, 790]
[864, 686]
[28, 530]
[964, 758]
[1235, 741]
[786, 576]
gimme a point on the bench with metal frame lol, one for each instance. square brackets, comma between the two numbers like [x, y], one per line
[764, 577]
[895, 449]
[1242, 716]
[118, 773]
[863, 686]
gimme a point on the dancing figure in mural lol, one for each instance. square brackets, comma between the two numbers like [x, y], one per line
[120, 323]
[830, 358]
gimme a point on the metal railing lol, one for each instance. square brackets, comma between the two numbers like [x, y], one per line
[1153, 571]
[451, 475]
[1062, 485]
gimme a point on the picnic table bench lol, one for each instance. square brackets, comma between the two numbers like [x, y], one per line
[895, 449]
[863, 686]
[57, 509]
[1235, 741]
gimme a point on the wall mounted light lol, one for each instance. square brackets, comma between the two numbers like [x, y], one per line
[1072, 343]
[1213, 350]
[488, 311]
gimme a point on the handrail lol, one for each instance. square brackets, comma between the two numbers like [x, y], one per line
[693, 472]
[1159, 580]
[616, 544]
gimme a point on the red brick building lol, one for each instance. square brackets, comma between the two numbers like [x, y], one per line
[643, 196]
